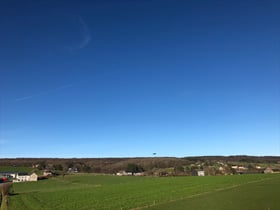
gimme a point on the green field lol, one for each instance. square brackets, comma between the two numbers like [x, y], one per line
[112, 192]
[16, 169]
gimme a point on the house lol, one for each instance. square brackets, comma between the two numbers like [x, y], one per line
[139, 174]
[24, 177]
[234, 167]
[33, 177]
[35, 165]
[122, 173]
[268, 171]
[72, 170]
[198, 173]
[242, 168]
[125, 173]
[47, 173]
[19, 177]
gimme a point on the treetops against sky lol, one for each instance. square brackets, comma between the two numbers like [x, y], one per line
[130, 78]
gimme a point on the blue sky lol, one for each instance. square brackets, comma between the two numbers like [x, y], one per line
[130, 78]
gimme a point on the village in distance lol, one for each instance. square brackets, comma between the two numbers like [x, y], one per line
[33, 169]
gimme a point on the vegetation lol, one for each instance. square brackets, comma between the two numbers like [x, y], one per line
[151, 166]
[169, 187]
[262, 195]
[5, 190]
[134, 168]
[18, 169]
[87, 191]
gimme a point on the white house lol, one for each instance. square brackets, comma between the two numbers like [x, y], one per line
[47, 173]
[33, 177]
[139, 174]
[14, 175]
[200, 173]
[122, 173]
[23, 177]
[268, 171]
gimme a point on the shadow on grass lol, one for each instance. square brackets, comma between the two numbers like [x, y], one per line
[13, 194]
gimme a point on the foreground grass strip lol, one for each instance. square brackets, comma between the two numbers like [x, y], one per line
[112, 192]
[262, 195]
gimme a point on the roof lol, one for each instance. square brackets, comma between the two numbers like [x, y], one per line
[22, 174]
[8, 173]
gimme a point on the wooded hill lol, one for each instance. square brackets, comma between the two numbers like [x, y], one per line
[151, 165]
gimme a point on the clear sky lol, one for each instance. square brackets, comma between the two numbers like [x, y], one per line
[130, 78]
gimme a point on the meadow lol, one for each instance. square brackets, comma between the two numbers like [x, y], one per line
[87, 191]
[19, 169]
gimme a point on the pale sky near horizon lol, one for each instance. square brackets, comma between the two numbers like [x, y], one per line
[132, 78]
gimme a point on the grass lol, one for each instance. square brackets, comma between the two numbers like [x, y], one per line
[263, 195]
[112, 192]
[19, 169]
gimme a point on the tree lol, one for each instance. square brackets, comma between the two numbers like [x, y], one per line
[70, 164]
[134, 168]
[86, 168]
[179, 169]
[58, 167]
[42, 165]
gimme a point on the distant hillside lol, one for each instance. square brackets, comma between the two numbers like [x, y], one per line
[239, 158]
[151, 165]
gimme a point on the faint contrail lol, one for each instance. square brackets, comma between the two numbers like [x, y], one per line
[24, 98]
[43, 93]
[64, 86]
[85, 33]
[30, 96]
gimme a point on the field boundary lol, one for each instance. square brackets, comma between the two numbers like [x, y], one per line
[4, 195]
[200, 194]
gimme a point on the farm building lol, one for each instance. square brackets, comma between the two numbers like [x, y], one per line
[47, 173]
[72, 170]
[19, 177]
[268, 171]
[198, 173]
[139, 174]
[124, 173]
[24, 177]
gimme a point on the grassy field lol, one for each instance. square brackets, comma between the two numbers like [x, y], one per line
[15, 169]
[263, 195]
[112, 192]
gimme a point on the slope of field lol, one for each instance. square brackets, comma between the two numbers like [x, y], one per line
[262, 195]
[112, 192]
